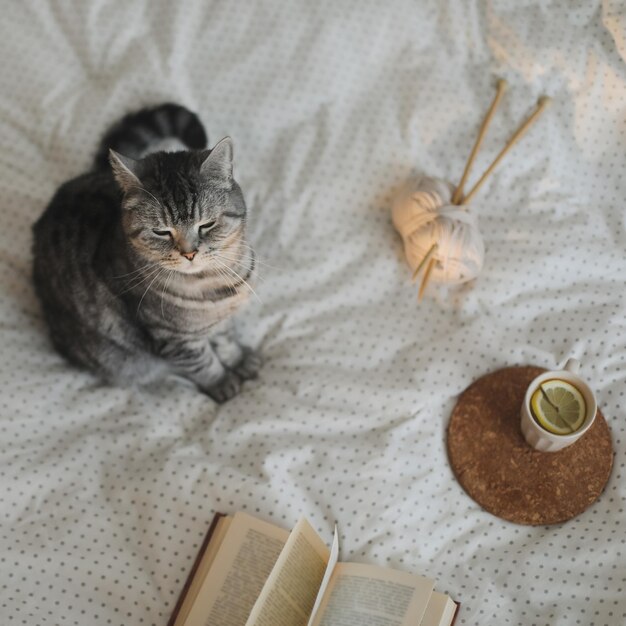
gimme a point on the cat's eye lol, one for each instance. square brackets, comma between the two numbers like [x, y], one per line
[207, 226]
[162, 233]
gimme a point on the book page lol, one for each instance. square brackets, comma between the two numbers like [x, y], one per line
[366, 595]
[241, 566]
[440, 610]
[330, 568]
[290, 592]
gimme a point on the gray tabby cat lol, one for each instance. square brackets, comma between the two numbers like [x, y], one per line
[140, 264]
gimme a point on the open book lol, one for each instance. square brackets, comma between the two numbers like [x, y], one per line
[251, 573]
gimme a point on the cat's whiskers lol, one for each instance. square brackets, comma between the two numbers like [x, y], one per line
[150, 273]
[238, 261]
[241, 279]
[254, 253]
[159, 272]
[246, 246]
[167, 280]
[139, 269]
[229, 281]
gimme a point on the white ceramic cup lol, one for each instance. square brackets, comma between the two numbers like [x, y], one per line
[538, 437]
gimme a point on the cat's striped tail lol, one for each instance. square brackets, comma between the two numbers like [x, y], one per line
[164, 127]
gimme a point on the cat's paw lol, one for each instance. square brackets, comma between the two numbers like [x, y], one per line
[249, 365]
[225, 388]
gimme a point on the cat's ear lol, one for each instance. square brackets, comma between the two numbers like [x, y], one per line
[125, 170]
[218, 166]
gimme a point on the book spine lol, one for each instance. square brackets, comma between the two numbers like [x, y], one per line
[194, 569]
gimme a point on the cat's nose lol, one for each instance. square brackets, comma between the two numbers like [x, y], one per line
[189, 255]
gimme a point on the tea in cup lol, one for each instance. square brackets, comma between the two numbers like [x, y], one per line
[558, 409]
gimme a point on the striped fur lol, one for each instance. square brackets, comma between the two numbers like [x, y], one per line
[141, 264]
[142, 131]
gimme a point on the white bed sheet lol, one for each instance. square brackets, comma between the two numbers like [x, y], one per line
[106, 493]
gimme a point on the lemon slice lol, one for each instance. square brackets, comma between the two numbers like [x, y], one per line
[558, 407]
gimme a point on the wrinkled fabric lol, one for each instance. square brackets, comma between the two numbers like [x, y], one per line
[332, 106]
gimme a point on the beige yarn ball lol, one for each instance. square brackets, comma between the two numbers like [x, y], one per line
[424, 215]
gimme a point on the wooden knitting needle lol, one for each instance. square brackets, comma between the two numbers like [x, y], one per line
[542, 103]
[458, 194]
[427, 256]
[429, 269]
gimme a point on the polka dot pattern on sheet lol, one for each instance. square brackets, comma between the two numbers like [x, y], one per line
[107, 493]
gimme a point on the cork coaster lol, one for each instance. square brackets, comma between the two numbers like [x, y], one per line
[508, 478]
